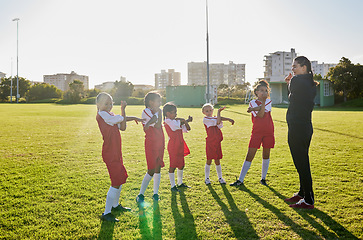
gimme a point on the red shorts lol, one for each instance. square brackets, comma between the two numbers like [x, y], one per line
[268, 141]
[214, 150]
[176, 161]
[154, 157]
[117, 172]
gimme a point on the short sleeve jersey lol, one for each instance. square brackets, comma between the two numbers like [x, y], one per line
[262, 125]
[147, 115]
[212, 121]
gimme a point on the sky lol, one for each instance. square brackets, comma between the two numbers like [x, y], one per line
[138, 38]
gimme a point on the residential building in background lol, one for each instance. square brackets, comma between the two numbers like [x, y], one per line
[62, 80]
[167, 78]
[2, 75]
[105, 87]
[278, 65]
[219, 73]
[321, 68]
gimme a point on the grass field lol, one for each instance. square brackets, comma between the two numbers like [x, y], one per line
[53, 183]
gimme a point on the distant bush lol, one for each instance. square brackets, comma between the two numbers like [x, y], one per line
[230, 101]
[353, 103]
[48, 100]
[90, 100]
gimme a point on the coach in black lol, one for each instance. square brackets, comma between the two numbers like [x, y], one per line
[302, 91]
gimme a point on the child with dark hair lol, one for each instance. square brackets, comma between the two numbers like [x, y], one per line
[262, 132]
[302, 91]
[177, 148]
[154, 144]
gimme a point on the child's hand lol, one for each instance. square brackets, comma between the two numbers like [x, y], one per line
[249, 109]
[288, 78]
[190, 119]
[221, 109]
[231, 121]
[137, 120]
[123, 104]
[153, 119]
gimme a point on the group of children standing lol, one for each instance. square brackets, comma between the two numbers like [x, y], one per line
[152, 117]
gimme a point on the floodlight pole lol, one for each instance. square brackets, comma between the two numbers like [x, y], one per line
[17, 59]
[11, 82]
[208, 94]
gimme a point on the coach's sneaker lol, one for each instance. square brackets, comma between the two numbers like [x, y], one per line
[121, 208]
[222, 181]
[156, 197]
[109, 217]
[236, 183]
[294, 198]
[140, 198]
[302, 204]
[263, 182]
[175, 189]
[207, 181]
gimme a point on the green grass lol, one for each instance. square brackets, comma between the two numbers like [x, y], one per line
[53, 183]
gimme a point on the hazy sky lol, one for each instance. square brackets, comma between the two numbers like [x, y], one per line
[137, 38]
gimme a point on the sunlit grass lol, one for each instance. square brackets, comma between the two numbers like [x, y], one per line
[54, 183]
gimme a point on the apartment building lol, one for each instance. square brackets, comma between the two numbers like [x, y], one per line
[62, 80]
[167, 78]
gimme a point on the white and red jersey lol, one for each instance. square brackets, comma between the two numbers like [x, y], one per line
[265, 124]
[212, 121]
[147, 114]
[110, 118]
[214, 138]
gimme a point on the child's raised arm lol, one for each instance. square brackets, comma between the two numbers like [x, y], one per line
[123, 113]
[219, 120]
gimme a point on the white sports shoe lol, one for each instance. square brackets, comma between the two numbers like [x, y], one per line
[222, 181]
[207, 181]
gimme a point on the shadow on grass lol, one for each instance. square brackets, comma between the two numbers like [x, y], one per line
[237, 220]
[184, 225]
[334, 231]
[106, 231]
[157, 224]
[302, 232]
[143, 223]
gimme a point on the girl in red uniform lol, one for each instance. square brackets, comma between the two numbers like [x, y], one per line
[262, 132]
[110, 126]
[177, 148]
[154, 144]
[214, 138]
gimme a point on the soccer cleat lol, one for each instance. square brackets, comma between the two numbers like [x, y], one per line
[263, 182]
[121, 208]
[294, 198]
[302, 204]
[207, 181]
[236, 183]
[109, 217]
[156, 197]
[183, 185]
[175, 189]
[140, 198]
[222, 181]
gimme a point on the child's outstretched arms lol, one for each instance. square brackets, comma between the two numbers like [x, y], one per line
[136, 119]
[219, 119]
[185, 122]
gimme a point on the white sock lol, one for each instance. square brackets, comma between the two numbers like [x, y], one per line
[207, 171]
[180, 176]
[157, 177]
[172, 179]
[219, 170]
[245, 167]
[110, 199]
[117, 199]
[265, 163]
[145, 183]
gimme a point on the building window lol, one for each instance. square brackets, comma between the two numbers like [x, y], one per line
[328, 89]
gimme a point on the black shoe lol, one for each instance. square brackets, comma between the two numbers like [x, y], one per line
[236, 183]
[183, 185]
[109, 218]
[175, 189]
[156, 197]
[121, 208]
[140, 198]
[263, 182]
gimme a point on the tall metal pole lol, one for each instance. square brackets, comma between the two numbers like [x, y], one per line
[17, 59]
[11, 82]
[208, 94]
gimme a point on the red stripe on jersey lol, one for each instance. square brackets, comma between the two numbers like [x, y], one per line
[147, 114]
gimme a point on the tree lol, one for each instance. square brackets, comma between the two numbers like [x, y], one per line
[122, 91]
[5, 86]
[75, 92]
[347, 78]
[42, 91]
